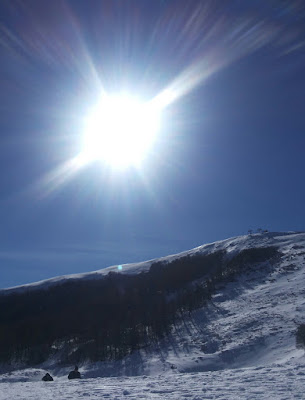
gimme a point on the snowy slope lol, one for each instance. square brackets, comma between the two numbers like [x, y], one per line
[241, 346]
[252, 322]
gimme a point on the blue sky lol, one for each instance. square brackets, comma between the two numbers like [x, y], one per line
[230, 151]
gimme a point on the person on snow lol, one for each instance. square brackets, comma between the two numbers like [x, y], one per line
[75, 374]
[47, 378]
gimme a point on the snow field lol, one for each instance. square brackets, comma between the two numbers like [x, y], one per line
[276, 383]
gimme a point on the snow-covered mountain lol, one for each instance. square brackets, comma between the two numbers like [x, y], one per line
[241, 343]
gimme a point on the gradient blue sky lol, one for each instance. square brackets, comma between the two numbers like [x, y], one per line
[229, 155]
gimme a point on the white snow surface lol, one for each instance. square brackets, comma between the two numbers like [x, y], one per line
[241, 346]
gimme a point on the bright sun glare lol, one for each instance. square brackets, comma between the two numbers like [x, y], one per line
[119, 131]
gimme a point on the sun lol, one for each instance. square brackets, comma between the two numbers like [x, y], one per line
[119, 131]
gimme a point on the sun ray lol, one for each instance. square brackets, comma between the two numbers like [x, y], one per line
[59, 176]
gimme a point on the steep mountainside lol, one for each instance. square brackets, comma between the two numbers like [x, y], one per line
[228, 304]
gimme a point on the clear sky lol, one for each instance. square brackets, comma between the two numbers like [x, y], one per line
[228, 155]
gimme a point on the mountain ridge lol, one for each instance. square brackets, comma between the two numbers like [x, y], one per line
[250, 240]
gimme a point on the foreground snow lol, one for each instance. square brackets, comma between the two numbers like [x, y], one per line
[277, 383]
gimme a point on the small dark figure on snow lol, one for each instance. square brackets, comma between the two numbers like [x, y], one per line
[47, 378]
[74, 374]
